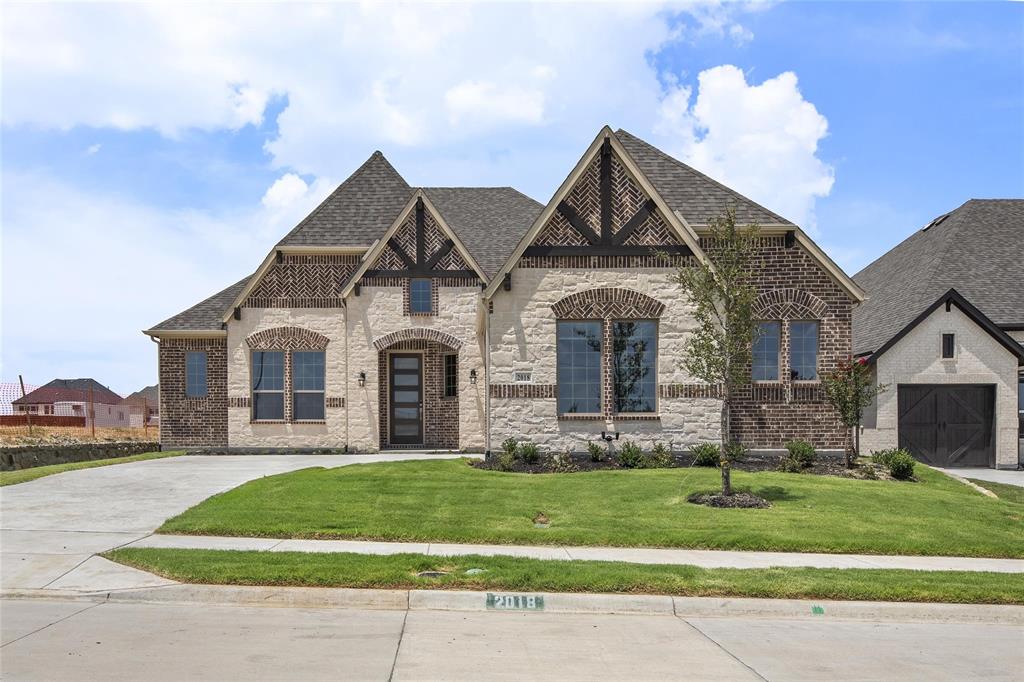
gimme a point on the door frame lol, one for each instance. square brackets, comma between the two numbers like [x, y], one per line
[394, 440]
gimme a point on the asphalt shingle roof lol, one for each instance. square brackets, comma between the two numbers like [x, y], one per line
[206, 315]
[977, 249]
[73, 390]
[490, 221]
[690, 193]
[358, 212]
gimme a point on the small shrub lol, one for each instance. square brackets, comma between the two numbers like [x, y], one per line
[901, 465]
[801, 452]
[706, 454]
[529, 453]
[505, 460]
[629, 455]
[562, 463]
[509, 447]
[735, 451]
[882, 457]
[596, 451]
[660, 457]
[790, 465]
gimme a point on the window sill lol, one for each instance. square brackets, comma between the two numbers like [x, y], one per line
[637, 417]
[581, 417]
[267, 421]
[310, 421]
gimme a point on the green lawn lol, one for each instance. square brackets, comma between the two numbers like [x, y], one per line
[24, 475]
[508, 573]
[1006, 492]
[446, 500]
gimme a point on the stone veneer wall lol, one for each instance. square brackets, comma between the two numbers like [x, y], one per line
[794, 287]
[286, 329]
[522, 338]
[379, 311]
[917, 359]
[193, 422]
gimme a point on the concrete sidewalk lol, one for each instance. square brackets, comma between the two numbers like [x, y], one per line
[633, 555]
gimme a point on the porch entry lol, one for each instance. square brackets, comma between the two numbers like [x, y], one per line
[405, 398]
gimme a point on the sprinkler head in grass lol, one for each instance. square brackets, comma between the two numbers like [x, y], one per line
[541, 520]
[475, 571]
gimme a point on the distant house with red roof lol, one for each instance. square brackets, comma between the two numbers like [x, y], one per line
[71, 398]
[145, 400]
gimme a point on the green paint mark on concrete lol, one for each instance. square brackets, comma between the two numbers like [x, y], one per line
[818, 610]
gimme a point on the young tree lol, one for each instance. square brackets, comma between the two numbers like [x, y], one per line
[722, 293]
[850, 389]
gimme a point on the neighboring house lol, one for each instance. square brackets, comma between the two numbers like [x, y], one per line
[454, 318]
[144, 401]
[9, 392]
[943, 327]
[71, 398]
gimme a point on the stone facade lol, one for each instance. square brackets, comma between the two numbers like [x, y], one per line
[193, 422]
[917, 359]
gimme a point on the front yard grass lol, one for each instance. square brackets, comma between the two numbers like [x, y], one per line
[25, 475]
[446, 500]
[399, 571]
[1005, 491]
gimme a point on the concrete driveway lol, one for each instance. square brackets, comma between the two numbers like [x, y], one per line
[50, 527]
[1007, 476]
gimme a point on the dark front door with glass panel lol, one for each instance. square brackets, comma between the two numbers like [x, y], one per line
[405, 381]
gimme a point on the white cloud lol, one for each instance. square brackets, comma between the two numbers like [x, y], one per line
[761, 140]
[285, 191]
[92, 149]
[112, 267]
[473, 102]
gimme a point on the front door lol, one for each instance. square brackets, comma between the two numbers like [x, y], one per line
[405, 397]
[949, 424]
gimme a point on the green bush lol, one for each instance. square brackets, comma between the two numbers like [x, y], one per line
[790, 465]
[801, 452]
[898, 461]
[529, 453]
[506, 460]
[706, 454]
[735, 451]
[629, 455]
[562, 463]
[509, 447]
[660, 457]
[597, 451]
[901, 465]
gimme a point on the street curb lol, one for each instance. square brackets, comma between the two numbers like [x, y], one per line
[970, 484]
[567, 603]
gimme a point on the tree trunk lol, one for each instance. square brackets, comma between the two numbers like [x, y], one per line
[724, 463]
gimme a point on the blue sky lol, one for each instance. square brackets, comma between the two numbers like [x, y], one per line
[151, 155]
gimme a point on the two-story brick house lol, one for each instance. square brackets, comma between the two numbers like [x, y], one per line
[453, 318]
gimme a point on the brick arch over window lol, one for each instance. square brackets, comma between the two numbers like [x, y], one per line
[784, 304]
[416, 333]
[608, 303]
[287, 338]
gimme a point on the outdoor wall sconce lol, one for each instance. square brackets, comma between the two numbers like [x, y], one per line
[362, 379]
[472, 376]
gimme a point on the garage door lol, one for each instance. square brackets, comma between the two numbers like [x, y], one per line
[947, 425]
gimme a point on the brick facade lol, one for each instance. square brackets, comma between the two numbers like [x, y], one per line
[794, 287]
[303, 281]
[440, 414]
[193, 422]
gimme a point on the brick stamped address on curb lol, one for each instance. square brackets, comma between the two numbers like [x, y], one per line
[515, 602]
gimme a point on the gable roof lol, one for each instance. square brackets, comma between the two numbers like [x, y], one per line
[952, 297]
[977, 249]
[150, 395]
[356, 213]
[207, 315]
[693, 195]
[74, 390]
[490, 221]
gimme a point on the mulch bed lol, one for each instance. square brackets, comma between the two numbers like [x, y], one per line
[734, 501]
[825, 465]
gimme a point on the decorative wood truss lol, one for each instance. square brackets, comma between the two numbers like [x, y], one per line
[628, 220]
[420, 249]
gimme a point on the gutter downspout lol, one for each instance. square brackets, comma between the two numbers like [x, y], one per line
[487, 375]
[348, 403]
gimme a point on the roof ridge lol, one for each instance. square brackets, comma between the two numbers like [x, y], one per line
[377, 154]
[699, 174]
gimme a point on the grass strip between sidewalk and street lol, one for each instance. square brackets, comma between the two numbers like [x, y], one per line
[25, 475]
[398, 571]
[448, 501]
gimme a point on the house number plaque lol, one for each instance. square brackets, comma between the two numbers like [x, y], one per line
[515, 602]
